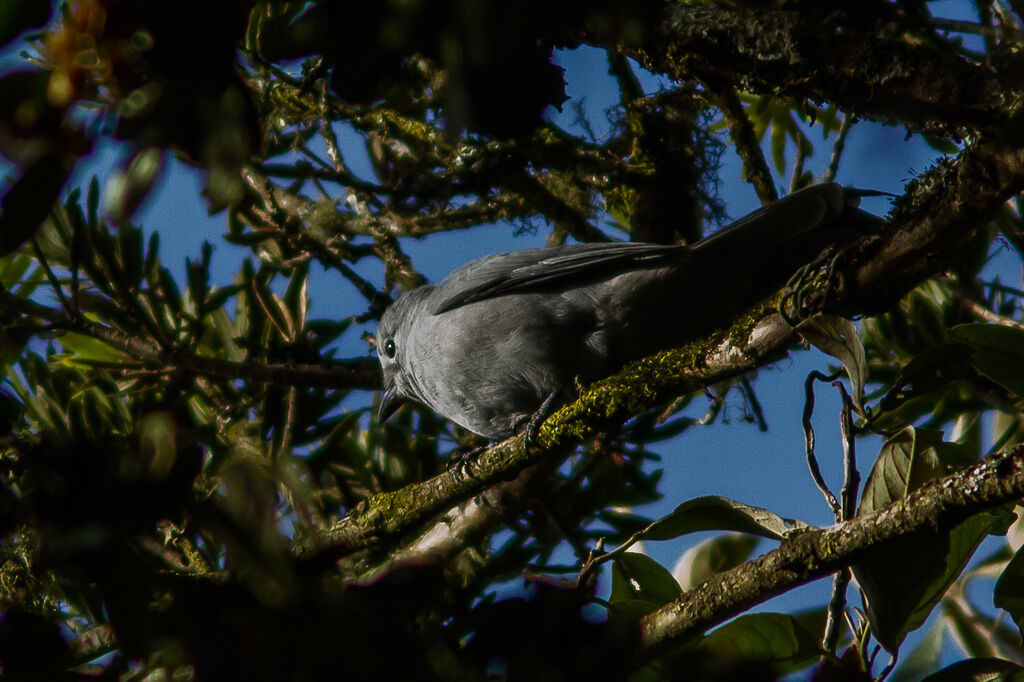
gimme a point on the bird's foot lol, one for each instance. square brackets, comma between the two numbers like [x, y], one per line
[546, 409]
[459, 461]
[810, 289]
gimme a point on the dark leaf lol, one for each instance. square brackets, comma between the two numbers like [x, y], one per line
[18, 15]
[1009, 591]
[638, 576]
[927, 371]
[977, 670]
[30, 127]
[999, 352]
[768, 639]
[929, 561]
[29, 201]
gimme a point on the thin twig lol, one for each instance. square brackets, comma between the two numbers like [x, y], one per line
[597, 557]
[961, 26]
[755, 404]
[838, 146]
[335, 374]
[836, 607]
[984, 313]
[54, 283]
[848, 494]
[851, 476]
[329, 137]
[742, 131]
[629, 84]
[288, 429]
[812, 461]
[802, 146]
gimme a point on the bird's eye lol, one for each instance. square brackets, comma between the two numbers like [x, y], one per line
[389, 348]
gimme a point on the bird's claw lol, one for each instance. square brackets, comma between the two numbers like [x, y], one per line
[459, 462]
[811, 288]
[545, 410]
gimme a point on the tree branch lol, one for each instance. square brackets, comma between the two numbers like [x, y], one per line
[357, 373]
[742, 130]
[808, 55]
[939, 505]
[945, 206]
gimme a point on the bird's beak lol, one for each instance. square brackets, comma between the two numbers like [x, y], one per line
[389, 402]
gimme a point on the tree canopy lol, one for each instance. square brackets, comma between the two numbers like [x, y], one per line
[192, 484]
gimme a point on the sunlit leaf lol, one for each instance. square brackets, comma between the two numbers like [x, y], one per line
[712, 556]
[129, 186]
[89, 348]
[719, 513]
[838, 337]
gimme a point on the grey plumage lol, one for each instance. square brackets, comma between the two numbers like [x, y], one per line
[489, 343]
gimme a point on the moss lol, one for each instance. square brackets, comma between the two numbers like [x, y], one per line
[830, 546]
[384, 508]
[741, 329]
[642, 384]
[408, 128]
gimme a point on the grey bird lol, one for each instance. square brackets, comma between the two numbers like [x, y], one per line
[498, 337]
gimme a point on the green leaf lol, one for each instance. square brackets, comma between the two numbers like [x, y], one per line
[275, 309]
[940, 144]
[12, 269]
[629, 610]
[217, 297]
[1009, 590]
[898, 601]
[11, 347]
[778, 141]
[720, 513]
[924, 658]
[712, 556]
[625, 523]
[838, 337]
[928, 370]
[906, 462]
[999, 352]
[977, 670]
[129, 186]
[638, 576]
[88, 348]
[158, 447]
[225, 331]
[775, 639]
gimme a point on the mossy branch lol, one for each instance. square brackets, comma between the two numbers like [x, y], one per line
[948, 204]
[863, 69]
[939, 505]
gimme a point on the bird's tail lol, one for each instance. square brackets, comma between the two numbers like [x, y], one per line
[821, 214]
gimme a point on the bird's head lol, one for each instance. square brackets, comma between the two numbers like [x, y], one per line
[393, 332]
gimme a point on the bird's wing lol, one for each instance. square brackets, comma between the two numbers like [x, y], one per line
[534, 269]
[767, 233]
